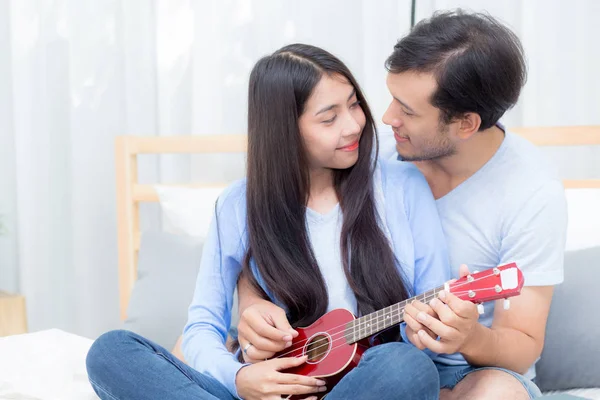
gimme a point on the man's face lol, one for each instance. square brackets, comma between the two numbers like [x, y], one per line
[420, 135]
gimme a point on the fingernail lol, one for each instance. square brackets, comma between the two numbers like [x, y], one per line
[433, 302]
[421, 316]
[293, 332]
[422, 333]
[322, 388]
[288, 344]
[287, 338]
[442, 294]
[321, 382]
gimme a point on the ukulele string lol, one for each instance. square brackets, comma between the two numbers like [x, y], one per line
[426, 298]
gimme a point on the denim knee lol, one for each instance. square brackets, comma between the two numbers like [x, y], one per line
[108, 351]
[407, 368]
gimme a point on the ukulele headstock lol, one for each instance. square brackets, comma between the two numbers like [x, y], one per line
[496, 283]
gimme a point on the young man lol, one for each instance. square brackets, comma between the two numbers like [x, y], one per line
[452, 78]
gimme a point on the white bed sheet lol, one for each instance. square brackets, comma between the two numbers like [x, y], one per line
[45, 365]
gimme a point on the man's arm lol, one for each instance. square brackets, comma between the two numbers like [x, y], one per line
[177, 352]
[247, 296]
[535, 240]
[516, 338]
[514, 341]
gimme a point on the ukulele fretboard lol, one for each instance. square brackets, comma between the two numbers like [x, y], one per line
[378, 321]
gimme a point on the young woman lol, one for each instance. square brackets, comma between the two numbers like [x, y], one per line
[317, 224]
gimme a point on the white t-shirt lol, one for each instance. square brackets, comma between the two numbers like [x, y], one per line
[324, 232]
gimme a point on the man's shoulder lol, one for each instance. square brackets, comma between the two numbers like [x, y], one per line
[522, 181]
[517, 175]
[527, 160]
[520, 170]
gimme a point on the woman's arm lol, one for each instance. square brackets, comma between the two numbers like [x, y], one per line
[432, 261]
[209, 314]
[431, 258]
[209, 318]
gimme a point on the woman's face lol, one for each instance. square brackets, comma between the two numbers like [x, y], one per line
[332, 124]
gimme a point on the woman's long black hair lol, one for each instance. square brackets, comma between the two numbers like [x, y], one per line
[278, 187]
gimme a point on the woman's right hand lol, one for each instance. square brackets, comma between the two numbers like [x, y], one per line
[264, 381]
[264, 330]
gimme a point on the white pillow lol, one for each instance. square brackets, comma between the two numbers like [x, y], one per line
[583, 229]
[188, 211]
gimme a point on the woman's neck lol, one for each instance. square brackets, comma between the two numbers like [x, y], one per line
[322, 197]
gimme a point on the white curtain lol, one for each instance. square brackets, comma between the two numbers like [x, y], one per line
[76, 73]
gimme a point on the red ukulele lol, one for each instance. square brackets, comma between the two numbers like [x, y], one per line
[336, 341]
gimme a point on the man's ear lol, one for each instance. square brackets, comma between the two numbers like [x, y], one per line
[469, 125]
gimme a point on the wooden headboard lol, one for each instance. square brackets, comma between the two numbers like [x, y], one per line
[130, 193]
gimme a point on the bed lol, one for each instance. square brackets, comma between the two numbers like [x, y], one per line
[564, 365]
[143, 255]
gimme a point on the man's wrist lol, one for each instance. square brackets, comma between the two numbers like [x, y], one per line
[473, 346]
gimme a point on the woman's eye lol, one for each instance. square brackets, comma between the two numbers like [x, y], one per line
[330, 120]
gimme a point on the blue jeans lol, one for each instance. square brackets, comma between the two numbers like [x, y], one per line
[124, 365]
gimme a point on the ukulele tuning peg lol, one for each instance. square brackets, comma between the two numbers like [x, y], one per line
[480, 309]
[506, 304]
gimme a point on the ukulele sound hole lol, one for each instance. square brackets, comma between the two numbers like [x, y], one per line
[317, 348]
